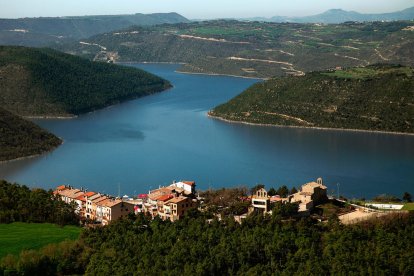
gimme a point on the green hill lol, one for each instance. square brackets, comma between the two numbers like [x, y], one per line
[256, 49]
[377, 97]
[43, 31]
[19, 138]
[44, 82]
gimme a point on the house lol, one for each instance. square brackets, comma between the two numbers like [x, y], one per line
[260, 202]
[178, 207]
[310, 195]
[113, 209]
[187, 186]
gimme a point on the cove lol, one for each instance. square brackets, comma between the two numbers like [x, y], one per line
[151, 141]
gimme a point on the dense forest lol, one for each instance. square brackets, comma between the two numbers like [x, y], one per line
[256, 49]
[377, 97]
[259, 246]
[45, 82]
[20, 138]
[19, 203]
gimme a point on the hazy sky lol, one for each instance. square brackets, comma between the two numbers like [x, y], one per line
[194, 8]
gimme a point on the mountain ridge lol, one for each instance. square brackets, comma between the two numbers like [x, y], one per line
[43, 31]
[337, 16]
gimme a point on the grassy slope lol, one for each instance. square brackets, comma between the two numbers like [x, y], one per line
[408, 207]
[46, 82]
[374, 98]
[291, 47]
[17, 236]
[19, 138]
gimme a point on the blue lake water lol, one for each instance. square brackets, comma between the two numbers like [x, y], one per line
[151, 141]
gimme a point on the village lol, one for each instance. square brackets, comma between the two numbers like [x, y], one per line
[174, 201]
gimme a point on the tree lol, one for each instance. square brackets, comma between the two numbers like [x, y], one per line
[272, 192]
[407, 197]
[283, 191]
[293, 190]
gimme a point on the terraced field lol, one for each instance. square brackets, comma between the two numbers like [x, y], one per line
[256, 49]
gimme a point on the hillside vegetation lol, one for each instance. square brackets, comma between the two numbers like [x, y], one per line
[20, 138]
[261, 245]
[44, 82]
[378, 97]
[44, 31]
[20, 204]
[256, 49]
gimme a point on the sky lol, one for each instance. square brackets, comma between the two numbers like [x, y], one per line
[194, 9]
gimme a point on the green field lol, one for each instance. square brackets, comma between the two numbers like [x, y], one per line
[408, 207]
[17, 236]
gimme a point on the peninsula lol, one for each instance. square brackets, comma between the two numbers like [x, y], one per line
[375, 98]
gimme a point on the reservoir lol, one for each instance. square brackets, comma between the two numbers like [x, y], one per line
[151, 141]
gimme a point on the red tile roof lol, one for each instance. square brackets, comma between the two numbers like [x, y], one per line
[61, 187]
[81, 197]
[164, 197]
[191, 183]
[89, 193]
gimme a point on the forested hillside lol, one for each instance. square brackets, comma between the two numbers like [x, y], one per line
[268, 245]
[256, 49]
[377, 97]
[44, 82]
[20, 138]
[44, 31]
[20, 203]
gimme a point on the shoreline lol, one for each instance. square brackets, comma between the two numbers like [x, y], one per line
[31, 156]
[216, 74]
[304, 127]
[190, 73]
[52, 117]
[149, 62]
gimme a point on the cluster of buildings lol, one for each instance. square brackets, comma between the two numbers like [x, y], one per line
[310, 195]
[169, 203]
[174, 201]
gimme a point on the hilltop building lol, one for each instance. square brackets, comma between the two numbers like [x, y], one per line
[310, 195]
[260, 202]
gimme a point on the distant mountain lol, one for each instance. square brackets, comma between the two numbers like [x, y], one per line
[48, 30]
[20, 138]
[336, 16]
[44, 82]
[376, 97]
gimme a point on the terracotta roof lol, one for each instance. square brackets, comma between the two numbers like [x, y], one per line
[177, 199]
[191, 183]
[89, 193]
[81, 197]
[95, 196]
[164, 197]
[111, 202]
[99, 199]
[61, 187]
